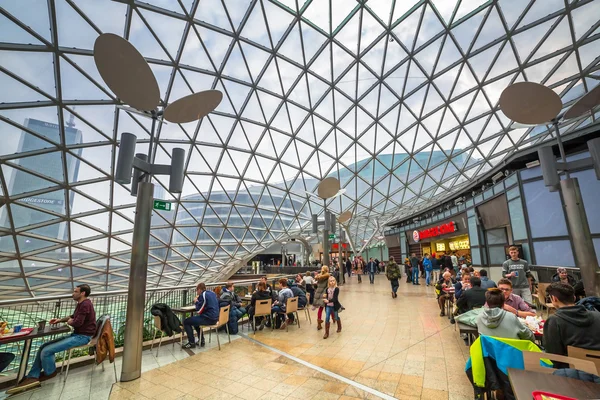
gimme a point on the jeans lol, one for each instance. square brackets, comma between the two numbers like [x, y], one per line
[239, 313]
[395, 285]
[195, 322]
[5, 360]
[44, 359]
[524, 293]
[372, 277]
[330, 311]
[415, 275]
[427, 277]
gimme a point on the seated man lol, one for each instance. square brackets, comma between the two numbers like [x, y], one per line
[497, 322]
[83, 322]
[513, 303]
[562, 276]
[486, 282]
[279, 306]
[207, 306]
[228, 295]
[473, 298]
[571, 325]
[446, 281]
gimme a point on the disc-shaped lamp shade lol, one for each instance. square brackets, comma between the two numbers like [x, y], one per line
[345, 216]
[584, 104]
[328, 188]
[530, 103]
[193, 107]
[126, 72]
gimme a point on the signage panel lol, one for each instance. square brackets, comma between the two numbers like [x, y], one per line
[439, 230]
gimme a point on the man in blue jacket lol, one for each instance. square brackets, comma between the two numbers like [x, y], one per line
[372, 268]
[207, 306]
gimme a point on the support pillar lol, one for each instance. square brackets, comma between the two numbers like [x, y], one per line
[136, 295]
[585, 255]
[326, 248]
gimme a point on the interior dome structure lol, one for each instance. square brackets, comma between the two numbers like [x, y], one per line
[396, 99]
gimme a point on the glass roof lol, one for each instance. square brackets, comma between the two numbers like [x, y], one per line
[397, 99]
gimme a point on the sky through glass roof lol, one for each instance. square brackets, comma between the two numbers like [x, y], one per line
[396, 99]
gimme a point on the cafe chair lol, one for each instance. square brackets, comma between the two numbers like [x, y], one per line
[583, 354]
[291, 307]
[533, 362]
[305, 308]
[90, 346]
[158, 329]
[223, 320]
[540, 298]
[262, 309]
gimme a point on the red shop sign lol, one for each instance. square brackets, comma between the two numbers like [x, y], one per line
[336, 246]
[435, 231]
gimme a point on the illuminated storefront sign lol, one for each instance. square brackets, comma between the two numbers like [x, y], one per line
[460, 245]
[439, 230]
[440, 246]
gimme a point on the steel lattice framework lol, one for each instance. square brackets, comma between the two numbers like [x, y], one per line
[397, 99]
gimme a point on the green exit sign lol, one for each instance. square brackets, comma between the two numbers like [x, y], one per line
[332, 236]
[162, 205]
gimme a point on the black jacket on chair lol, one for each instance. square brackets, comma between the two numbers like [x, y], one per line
[169, 321]
[469, 299]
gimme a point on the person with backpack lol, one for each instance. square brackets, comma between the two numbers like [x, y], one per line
[393, 274]
[428, 267]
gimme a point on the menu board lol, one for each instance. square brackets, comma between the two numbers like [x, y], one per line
[440, 246]
[460, 245]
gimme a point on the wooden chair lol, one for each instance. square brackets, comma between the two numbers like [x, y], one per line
[262, 309]
[291, 306]
[583, 354]
[540, 298]
[305, 308]
[223, 320]
[157, 329]
[532, 362]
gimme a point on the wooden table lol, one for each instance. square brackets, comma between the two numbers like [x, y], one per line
[525, 382]
[27, 339]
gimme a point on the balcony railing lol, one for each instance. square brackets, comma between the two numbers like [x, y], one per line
[29, 312]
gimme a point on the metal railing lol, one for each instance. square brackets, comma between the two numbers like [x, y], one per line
[30, 311]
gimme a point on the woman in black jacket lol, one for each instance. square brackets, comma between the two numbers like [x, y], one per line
[332, 305]
[261, 294]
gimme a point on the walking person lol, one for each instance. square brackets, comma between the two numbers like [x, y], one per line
[322, 279]
[371, 269]
[516, 269]
[414, 263]
[428, 267]
[435, 269]
[408, 270]
[348, 266]
[392, 272]
[359, 269]
[332, 306]
[309, 282]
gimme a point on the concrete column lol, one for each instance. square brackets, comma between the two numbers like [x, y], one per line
[136, 295]
[585, 255]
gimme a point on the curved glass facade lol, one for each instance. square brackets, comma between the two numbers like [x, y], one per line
[398, 100]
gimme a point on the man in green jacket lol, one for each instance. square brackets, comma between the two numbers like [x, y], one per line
[392, 272]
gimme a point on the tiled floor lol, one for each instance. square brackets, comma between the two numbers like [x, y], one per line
[400, 347]
[83, 383]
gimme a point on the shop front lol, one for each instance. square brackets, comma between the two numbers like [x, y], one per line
[445, 238]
